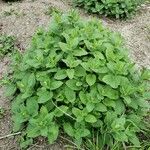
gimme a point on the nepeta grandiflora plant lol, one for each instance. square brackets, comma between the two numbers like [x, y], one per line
[111, 8]
[7, 44]
[76, 77]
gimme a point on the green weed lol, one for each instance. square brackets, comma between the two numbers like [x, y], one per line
[7, 45]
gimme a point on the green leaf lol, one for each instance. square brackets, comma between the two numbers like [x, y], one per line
[32, 131]
[112, 80]
[146, 95]
[86, 66]
[109, 103]
[60, 75]
[110, 93]
[83, 97]
[85, 133]
[73, 42]
[64, 47]
[55, 85]
[109, 53]
[98, 54]
[80, 52]
[135, 141]
[31, 80]
[146, 74]
[68, 129]
[44, 131]
[32, 106]
[90, 106]
[71, 62]
[90, 79]
[80, 71]
[70, 94]
[61, 110]
[118, 124]
[27, 94]
[24, 143]
[72, 84]
[43, 111]
[120, 107]
[10, 90]
[142, 103]
[70, 73]
[53, 132]
[127, 99]
[121, 136]
[17, 123]
[98, 124]
[100, 107]
[44, 95]
[77, 112]
[90, 118]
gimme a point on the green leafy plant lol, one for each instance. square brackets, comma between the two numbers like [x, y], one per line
[6, 45]
[76, 77]
[111, 8]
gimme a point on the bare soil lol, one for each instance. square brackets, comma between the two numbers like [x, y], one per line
[22, 19]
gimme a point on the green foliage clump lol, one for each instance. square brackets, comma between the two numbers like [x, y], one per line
[7, 44]
[77, 78]
[111, 8]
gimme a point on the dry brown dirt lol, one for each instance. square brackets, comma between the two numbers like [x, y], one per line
[22, 19]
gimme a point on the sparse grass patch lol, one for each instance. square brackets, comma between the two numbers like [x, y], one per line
[7, 45]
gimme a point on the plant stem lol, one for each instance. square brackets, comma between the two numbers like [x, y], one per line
[63, 111]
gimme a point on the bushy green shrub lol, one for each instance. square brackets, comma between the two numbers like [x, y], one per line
[7, 44]
[77, 78]
[111, 8]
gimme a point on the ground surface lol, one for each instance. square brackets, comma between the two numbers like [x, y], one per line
[21, 19]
